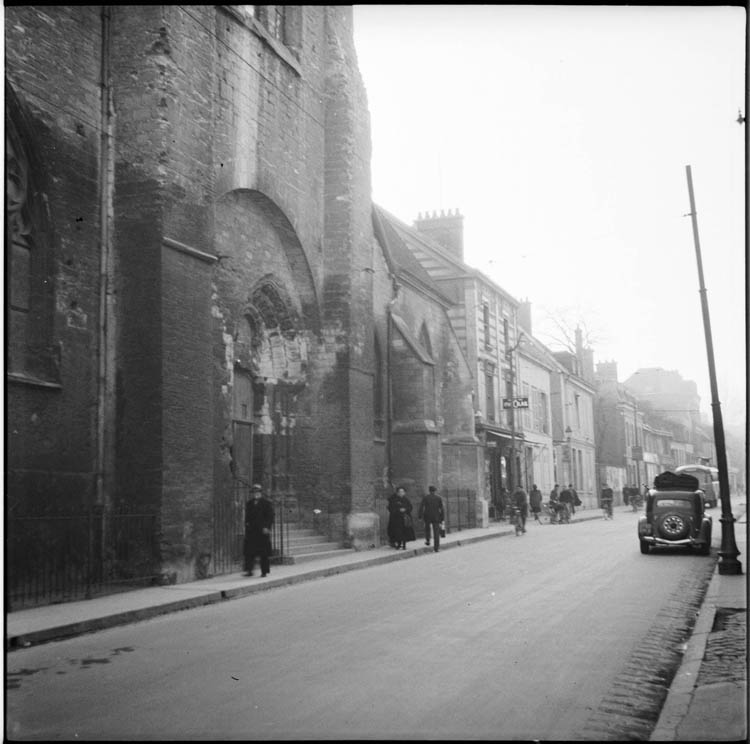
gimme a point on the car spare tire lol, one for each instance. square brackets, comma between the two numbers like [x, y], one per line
[673, 526]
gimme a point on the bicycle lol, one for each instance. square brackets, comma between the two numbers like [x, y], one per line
[558, 513]
[517, 520]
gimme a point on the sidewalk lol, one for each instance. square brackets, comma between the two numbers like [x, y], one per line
[707, 699]
[36, 625]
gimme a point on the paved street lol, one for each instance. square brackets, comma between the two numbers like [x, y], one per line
[564, 633]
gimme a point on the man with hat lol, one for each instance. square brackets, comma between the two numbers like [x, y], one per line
[259, 516]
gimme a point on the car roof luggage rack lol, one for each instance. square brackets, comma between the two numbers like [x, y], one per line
[669, 481]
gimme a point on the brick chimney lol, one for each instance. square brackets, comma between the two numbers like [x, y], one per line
[446, 230]
[606, 371]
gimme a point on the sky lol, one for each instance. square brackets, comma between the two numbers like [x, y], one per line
[562, 134]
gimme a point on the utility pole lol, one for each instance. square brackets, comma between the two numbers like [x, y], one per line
[639, 482]
[512, 469]
[728, 563]
[513, 480]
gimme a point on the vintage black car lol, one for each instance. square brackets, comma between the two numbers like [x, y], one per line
[675, 515]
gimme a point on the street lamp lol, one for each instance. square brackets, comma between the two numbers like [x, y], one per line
[728, 563]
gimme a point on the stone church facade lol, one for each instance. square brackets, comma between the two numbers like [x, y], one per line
[198, 299]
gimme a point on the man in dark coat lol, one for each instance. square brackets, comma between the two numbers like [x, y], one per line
[535, 502]
[431, 511]
[259, 516]
[566, 498]
[574, 500]
[606, 500]
[520, 501]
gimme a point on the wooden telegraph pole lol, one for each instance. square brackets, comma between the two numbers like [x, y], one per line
[728, 563]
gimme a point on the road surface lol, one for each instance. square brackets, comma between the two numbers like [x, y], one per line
[566, 632]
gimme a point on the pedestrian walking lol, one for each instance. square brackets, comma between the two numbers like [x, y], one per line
[400, 526]
[574, 501]
[606, 501]
[566, 498]
[521, 502]
[535, 502]
[259, 516]
[555, 506]
[431, 511]
[626, 495]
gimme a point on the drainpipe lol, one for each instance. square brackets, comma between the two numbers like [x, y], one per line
[388, 380]
[105, 155]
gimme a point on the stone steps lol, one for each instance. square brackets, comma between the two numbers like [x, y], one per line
[302, 545]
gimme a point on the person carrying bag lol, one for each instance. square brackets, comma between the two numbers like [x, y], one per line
[431, 511]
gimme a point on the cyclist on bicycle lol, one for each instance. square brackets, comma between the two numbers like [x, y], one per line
[520, 501]
[606, 501]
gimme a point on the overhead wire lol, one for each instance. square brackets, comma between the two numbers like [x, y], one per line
[80, 116]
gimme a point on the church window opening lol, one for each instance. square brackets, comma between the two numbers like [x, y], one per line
[29, 347]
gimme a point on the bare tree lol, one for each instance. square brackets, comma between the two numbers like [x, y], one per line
[559, 328]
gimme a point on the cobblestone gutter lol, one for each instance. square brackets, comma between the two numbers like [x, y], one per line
[630, 709]
[725, 659]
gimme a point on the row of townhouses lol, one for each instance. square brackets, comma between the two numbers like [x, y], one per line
[203, 296]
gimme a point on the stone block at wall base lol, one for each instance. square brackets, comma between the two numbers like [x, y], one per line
[177, 572]
[363, 530]
[483, 512]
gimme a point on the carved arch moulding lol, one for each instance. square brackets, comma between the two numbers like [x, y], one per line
[268, 340]
[243, 202]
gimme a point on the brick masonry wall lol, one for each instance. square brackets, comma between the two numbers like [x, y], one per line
[52, 57]
[347, 289]
[197, 80]
[140, 79]
[431, 403]
[187, 465]
[231, 149]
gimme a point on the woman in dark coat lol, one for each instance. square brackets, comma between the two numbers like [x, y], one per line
[400, 528]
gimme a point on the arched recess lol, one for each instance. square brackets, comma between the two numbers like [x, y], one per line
[28, 254]
[270, 371]
[255, 202]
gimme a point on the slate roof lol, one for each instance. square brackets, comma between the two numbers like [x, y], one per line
[400, 259]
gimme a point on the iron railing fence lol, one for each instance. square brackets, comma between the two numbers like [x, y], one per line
[322, 513]
[229, 528]
[280, 530]
[459, 507]
[76, 553]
